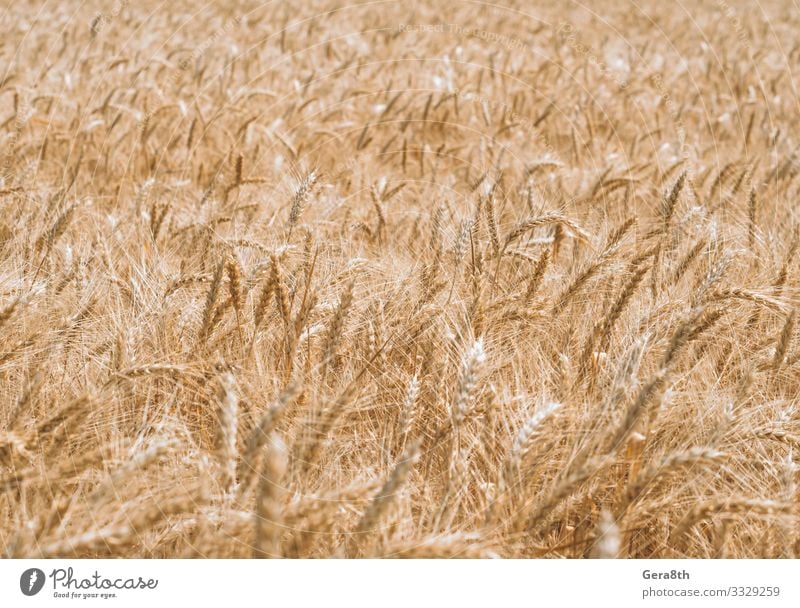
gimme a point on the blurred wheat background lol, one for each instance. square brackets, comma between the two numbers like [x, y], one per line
[418, 279]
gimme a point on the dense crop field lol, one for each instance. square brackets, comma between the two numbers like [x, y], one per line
[425, 279]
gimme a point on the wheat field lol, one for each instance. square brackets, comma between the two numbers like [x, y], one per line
[399, 279]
